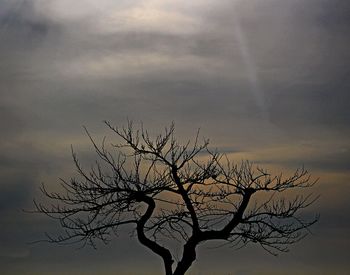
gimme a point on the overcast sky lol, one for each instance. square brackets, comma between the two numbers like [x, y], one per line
[264, 80]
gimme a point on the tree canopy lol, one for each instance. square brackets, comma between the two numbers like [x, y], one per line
[188, 192]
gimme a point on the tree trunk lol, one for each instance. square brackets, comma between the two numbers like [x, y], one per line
[156, 248]
[189, 256]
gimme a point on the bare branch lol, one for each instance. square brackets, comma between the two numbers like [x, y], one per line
[186, 192]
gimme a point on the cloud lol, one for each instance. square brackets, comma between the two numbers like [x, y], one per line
[65, 64]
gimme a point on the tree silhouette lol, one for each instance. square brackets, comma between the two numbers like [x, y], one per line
[171, 191]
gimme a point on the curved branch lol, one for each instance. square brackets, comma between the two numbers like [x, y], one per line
[156, 248]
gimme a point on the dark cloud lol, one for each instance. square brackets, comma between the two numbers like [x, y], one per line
[304, 105]
[15, 194]
[22, 26]
[334, 15]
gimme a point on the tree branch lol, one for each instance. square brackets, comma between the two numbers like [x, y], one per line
[152, 245]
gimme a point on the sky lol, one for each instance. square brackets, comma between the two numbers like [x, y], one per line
[265, 80]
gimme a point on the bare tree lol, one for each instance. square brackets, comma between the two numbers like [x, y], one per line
[184, 192]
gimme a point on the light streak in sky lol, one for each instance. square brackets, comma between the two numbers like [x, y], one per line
[250, 67]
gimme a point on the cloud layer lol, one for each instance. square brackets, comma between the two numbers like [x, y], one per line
[268, 80]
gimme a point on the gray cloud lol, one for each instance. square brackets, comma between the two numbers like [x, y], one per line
[63, 68]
